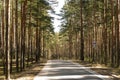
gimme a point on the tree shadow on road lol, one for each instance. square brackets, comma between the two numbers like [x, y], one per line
[67, 71]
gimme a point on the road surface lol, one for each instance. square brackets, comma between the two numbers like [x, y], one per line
[67, 70]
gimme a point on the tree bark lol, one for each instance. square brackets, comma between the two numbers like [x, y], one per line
[117, 32]
[16, 35]
[82, 34]
[112, 27]
[8, 4]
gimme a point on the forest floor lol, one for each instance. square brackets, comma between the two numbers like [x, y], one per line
[29, 73]
[114, 73]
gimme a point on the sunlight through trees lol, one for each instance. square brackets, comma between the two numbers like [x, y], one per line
[89, 31]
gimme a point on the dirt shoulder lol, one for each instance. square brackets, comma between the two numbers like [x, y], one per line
[114, 73]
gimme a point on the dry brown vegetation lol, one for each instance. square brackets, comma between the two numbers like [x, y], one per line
[114, 73]
[29, 73]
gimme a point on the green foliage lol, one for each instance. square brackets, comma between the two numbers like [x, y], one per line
[39, 12]
[99, 22]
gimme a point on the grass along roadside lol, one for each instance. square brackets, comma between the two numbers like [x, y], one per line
[114, 73]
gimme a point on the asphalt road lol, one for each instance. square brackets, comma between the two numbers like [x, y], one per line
[67, 70]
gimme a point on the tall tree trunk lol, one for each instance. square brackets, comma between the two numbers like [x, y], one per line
[16, 35]
[43, 42]
[117, 32]
[8, 2]
[70, 45]
[23, 33]
[37, 37]
[11, 38]
[29, 36]
[70, 39]
[39, 46]
[105, 32]
[3, 34]
[82, 34]
[37, 43]
[112, 26]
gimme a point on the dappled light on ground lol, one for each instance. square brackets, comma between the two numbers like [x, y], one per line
[66, 70]
[71, 77]
[25, 78]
